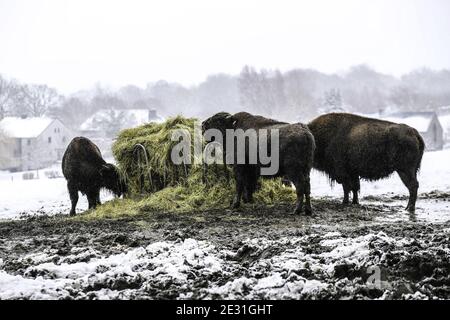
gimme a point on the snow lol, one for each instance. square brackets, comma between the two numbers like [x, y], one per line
[51, 196]
[281, 279]
[37, 196]
[18, 287]
[133, 118]
[87, 273]
[164, 261]
[433, 175]
[420, 123]
[24, 128]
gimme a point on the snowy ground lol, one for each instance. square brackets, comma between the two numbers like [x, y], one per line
[50, 196]
[372, 251]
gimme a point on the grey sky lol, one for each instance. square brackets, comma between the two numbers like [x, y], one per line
[73, 44]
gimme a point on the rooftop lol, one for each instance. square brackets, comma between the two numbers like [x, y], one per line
[132, 118]
[16, 127]
[418, 120]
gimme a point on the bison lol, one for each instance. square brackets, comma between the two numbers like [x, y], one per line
[87, 172]
[351, 147]
[296, 151]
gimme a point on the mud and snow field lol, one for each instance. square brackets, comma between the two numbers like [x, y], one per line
[375, 250]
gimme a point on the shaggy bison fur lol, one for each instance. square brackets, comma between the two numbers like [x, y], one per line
[351, 147]
[296, 151]
[87, 172]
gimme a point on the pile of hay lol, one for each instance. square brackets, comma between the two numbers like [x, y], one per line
[160, 171]
[173, 187]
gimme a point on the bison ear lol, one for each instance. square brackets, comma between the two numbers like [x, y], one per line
[104, 169]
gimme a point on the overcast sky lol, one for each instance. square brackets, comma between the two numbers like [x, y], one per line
[72, 45]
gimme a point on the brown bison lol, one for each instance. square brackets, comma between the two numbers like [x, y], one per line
[351, 147]
[87, 172]
[296, 151]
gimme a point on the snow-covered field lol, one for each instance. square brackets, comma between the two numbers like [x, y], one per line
[20, 197]
[50, 196]
[266, 254]
[308, 264]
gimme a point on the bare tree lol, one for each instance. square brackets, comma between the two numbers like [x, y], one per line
[72, 112]
[262, 91]
[249, 90]
[302, 94]
[332, 100]
[9, 94]
[174, 98]
[130, 94]
[112, 122]
[106, 101]
[217, 93]
[39, 99]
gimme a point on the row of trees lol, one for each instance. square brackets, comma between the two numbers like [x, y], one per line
[21, 99]
[298, 94]
[305, 93]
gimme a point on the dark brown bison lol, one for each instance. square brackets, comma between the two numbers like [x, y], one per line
[87, 172]
[351, 147]
[296, 151]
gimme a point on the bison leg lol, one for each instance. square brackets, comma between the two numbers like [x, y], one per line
[247, 196]
[303, 190]
[307, 192]
[73, 193]
[240, 185]
[251, 181]
[226, 172]
[409, 179]
[347, 188]
[355, 189]
[299, 189]
[93, 197]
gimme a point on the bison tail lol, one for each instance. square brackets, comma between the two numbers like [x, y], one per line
[311, 150]
[421, 150]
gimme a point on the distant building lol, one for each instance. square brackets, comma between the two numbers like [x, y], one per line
[444, 119]
[427, 123]
[107, 122]
[104, 125]
[32, 143]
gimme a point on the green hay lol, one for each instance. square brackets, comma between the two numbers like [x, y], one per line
[156, 138]
[194, 196]
[177, 193]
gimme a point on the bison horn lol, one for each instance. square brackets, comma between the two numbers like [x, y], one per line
[105, 168]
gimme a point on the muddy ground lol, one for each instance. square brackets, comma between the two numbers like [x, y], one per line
[370, 251]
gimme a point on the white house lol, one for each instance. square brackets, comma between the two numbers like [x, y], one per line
[103, 126]
[444, 119]
[32, 143]
[114, 120]
[427, 123]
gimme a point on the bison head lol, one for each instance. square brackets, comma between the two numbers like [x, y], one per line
[220, 121]
[113, 180]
